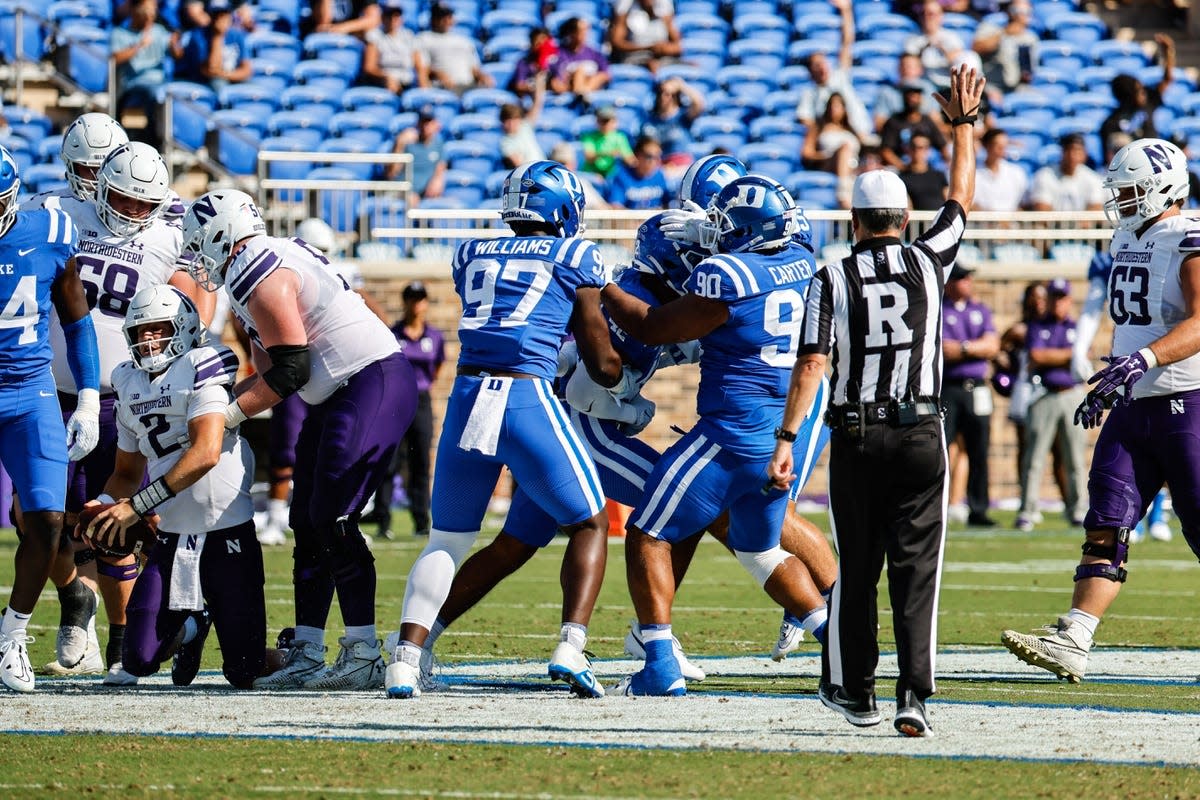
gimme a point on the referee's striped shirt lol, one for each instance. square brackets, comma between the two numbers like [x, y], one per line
[879, 311]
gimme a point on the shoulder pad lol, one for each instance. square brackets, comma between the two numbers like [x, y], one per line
[214, 365]
[723, 277]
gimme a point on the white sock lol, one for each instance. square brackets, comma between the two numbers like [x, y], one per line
[654, 633]
[815, 619]
[277, 513]
[409, 654]
[190, 629]
[361, 633]
[14, 621]
[435, 630]
[306, 633]
[1085, 621]
[574, 633]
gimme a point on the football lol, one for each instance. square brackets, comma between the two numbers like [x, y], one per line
[139, 538]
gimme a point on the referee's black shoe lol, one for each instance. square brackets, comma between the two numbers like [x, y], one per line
[910, 717]
[861, 712]
[980, 521]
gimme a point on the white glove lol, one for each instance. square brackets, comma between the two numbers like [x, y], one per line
[628, 386]
[644, 410]
[683, 353]
[83, 428]
[568, 357]
[683, 224]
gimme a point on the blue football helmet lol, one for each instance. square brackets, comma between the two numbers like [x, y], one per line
[751, 213]
[672, 261]
[10, 184]
[545, 192]
[707, 176]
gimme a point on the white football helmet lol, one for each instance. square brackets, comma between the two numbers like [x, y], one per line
[213, 224]
[317, 232]
[86, 143]
[10, 186]
[134, 177]
[1145, 178]
[163, 303]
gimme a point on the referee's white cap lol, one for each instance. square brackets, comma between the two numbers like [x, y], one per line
[879, 188]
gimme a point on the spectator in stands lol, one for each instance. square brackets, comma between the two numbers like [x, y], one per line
[832, 145]
[391, 57]
[1136, 103]
[424, 144]
[1070, 186]
[1009, 52]
[643, 32]
[566, 154]
[828, 81]
[453, 58]
[890, 100]
[139, 49]
[642, 185]
[354, 17]
[937, 47]
[927, 187]
[605, 146]
[676, 104]
[216, 55]
[578, 68]
[902, 126]
[519, 144]
[536, 61]
[196, 14]
[1000, 185]
[1048, 345]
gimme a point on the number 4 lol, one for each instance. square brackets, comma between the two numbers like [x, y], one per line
[21, 311]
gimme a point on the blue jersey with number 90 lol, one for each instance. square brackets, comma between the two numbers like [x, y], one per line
[747, 362]
[33, 254]
[518, 294]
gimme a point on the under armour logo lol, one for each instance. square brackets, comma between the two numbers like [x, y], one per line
[1177, 406]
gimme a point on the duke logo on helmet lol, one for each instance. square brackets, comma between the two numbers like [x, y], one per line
[751, 213]
[707, 176]
[544, 192]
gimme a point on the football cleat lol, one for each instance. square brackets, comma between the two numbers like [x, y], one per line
[67, 644]
[271, 536]
[911, 718]
[303, 662]
[1160, 532]
[575, 669]
[636, 648]
[117, 676]
[861, 713]
[790, 637]
[15, 669]
[186, 661]
[72, 642]
[402, 681]
[359, 667]
[429, 663]
[1060, 650]
[648, 682]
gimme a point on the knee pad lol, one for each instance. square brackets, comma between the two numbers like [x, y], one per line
[119, 572]
[761, 565]
[456, 545]
[1117, 553]
[84, 556]
[347, 549]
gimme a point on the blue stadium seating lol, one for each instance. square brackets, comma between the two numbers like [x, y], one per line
[82, 54]
[414, 99]
[237, 149]
[365, 127]
[192, 103]
[32, 43]
[362, 96]
[35, 176]
[47, 148]
[278, 48]
[324, 74]
[338, 48]
[338, 207]
[486, 100]
[360, 171]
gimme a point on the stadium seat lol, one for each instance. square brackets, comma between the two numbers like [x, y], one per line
[237, 149]
[37, 123]
[500, 72]
[877, 25]
[32, 42]
[1079, 28]
[506, 47]
[270, 75]
[382, 212]
[286, 10]
[288, 170]
[308, 127]
[47, 149]
[413, 99]
[338, 207]
[236, 118]
[279, 48]
[458, 150]
[238, 95]
[82, 54]
[367, 128]
[1016, 252]
[504, 20]
[821, 28]
[800, 50]
[295, 96]
[765, 28]
[962, 24]
[689, 24]
[1079, 101]
[866, 49]
[37, 175]
[191, 105]
[486, 100]
[756, 53]
[755, 154]
[362, 171]
[463, 125]
[337, 48]
[1105, 53]
[360, 96]
[323, 74]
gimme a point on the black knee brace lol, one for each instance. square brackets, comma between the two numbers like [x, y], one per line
[1117, 553]
[347, 549]
[84, 556]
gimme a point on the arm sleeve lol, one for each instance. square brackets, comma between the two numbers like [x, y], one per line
[1086, 328]
[83, 357]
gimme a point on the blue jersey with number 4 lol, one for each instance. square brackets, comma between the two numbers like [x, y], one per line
[518, 294]
[33, 254]
[747, 362]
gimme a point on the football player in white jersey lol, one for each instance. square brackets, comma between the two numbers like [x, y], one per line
[312, 336]
[124, 245]
[1152, 385]
[206, 564]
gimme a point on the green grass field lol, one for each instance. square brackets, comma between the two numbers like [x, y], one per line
[991, 581]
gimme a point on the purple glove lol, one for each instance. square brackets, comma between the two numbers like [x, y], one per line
[1121, 372]
[1091, 410]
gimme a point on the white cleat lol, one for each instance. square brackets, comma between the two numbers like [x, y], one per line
[89, 662]
[271, 536]
[428, 683]
[575, 669]
[635, 648]
[1059, 650]
[303, 662]
[1161, 532]
[402, 681]
[15, 671]
[790, 637]
[358, 668]
[117, 676]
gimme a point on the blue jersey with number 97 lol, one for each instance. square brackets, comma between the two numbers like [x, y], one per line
[33, 254]
[747, 362]
[518, 294]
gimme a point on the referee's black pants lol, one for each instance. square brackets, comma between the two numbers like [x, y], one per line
[959, 401]
[887, 496]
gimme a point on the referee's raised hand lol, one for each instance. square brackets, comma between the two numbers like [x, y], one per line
[966, 93]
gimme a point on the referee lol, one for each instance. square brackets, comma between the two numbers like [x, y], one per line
[879, 312]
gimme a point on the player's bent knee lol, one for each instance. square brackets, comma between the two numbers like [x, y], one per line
[456, 545]
[762, 565]
[119, 572]
[1111, 545]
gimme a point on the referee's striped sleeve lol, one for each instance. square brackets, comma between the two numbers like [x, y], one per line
[942, 238]
[817, 335]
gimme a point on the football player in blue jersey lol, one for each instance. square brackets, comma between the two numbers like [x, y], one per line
[745, 305]
[37, 269]
[520, 297]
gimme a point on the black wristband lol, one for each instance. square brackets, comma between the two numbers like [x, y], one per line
[784, 435]
[968, 119]
[147, 499]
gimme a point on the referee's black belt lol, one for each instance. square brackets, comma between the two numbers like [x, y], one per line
[894, 412]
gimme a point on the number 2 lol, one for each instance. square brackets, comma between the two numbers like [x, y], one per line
[21, 310]
[156, 426]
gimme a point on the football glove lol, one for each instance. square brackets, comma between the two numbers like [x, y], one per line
[683, 224]
[1091, 410]
[83, 428]
[1121, 373]
[644, 410]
